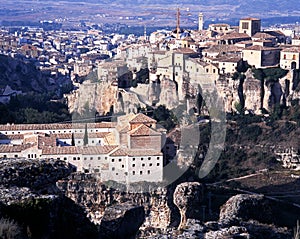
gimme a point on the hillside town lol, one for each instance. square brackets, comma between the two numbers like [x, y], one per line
[164, 68]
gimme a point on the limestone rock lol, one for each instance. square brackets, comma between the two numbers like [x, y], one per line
[245, 207]
[121, 221]
[187, 197]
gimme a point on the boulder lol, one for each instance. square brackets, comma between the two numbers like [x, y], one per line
[121, 221]
[243, 207]
[187, 197]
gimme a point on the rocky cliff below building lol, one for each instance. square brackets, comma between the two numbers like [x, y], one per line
[44, 199]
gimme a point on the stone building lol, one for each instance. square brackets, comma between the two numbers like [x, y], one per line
[250, 26]
[260, 56]
[290, 58]
[129, 151]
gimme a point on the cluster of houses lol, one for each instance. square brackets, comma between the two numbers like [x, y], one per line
[129, 150]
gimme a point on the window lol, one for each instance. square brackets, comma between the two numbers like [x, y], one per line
[133, 172]
[91, 158]
[29, 156]
[74, 158]
[150, 164]
[245, 25]
[92, 141]
[96, 170]
[123, 166]
[78, 158]
[113, 168]
[148, 171]
[143, 165]
[16, 156]
[207, 70]
[113, 160]
[133, 165]
[157, 164]
[142, 159]
[4, 156]
[157, 158]
[294, 57]
[141, 172]
[99, 158]
[149, 158]
[85, 158]
[65, 158]
[120, 160]
[133, 159]
[117, 174]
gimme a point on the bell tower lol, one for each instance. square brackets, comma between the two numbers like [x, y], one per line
[200, 21]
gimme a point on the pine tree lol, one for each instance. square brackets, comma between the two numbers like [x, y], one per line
[85, 138]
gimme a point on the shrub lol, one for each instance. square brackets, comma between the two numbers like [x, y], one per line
[9, 229]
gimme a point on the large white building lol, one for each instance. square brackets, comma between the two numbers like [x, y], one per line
[127, 151]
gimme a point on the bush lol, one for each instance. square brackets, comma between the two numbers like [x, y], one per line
[9, 229]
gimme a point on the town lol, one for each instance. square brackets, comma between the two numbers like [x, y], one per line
[181, 132]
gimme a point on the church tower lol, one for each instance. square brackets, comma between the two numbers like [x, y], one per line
[200, 20]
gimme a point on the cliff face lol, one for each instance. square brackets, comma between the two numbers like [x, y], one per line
[23, 76]
[29, 197]
[95, 197]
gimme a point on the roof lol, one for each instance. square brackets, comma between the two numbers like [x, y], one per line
[261, 48]
[235, 35]
[141, 118]
[14, 148]
[250, 18]
[292, 49]
[85, 150]
[143, 130]
[16, 127]
[228, 59]
[263, 35]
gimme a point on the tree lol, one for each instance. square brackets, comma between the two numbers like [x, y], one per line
[85, 137]
[73, 140]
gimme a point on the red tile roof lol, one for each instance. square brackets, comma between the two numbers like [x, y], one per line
[143, 130]
[141, 118]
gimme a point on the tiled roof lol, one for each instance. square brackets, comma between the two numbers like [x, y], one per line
[250, 18]
[141, 118]
[261, 48]
[120, 152]
[262, 35]
[11, 136]
[81, 135]
[85, 150]
[292, 49]
[14, 148]
[235, 35]
[143, 130]
[16, 127]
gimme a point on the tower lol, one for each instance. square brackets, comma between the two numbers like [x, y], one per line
[177, 23]
[200, 20]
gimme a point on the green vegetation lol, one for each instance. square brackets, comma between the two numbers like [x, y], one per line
[34, 108]
[164, 117]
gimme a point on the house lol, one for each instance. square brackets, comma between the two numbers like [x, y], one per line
[250, 26]
[259, 56]
[290, 58]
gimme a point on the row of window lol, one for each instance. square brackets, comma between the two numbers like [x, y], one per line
[141, 172]
[59, 131]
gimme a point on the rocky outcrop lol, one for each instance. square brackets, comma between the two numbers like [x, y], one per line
[244, 207]
[23, 76]
[28, 196]
[95, 196]
[187, 197]
[121, 221]
[38, 175]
